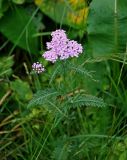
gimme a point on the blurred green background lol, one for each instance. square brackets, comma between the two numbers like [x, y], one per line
[77, 109]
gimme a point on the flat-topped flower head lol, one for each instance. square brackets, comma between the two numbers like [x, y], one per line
[59, 39]
[61, 47]
[59, 33]
[50, 56]
[37, 67]
[74, 48]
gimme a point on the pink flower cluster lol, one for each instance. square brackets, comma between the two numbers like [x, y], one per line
[61, 47]
[38, 67]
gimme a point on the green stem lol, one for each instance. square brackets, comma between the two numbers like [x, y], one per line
[116, 27]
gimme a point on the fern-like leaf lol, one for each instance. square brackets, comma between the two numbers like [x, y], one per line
[41, 97]
[87, 100]
[80, 70]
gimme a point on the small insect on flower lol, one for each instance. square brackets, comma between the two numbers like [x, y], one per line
[37, 67]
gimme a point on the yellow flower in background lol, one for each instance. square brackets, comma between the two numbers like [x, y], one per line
[73, 2]
[38, 2]
[75, 14]
[80, 11]
[78, 17]
[77, 3]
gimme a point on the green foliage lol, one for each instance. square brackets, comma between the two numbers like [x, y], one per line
[87, 100]
[65, 97]
[107, 21]
[18, 1]
[5, 66]
[18, 26]
[62, 149]
[3, 7]
[76, 109]
[119, 150]
[72, 13]
[81, 70]
[43, 96]
[21, 89]
[100, 81]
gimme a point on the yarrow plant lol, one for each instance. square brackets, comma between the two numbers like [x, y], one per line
[38, 67]
[60, 47]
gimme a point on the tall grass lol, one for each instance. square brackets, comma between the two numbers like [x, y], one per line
[76, 110]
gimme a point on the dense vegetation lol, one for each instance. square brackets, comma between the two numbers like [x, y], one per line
[77, 108]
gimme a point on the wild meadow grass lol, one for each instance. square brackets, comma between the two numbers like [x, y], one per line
[76, 108]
